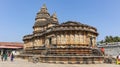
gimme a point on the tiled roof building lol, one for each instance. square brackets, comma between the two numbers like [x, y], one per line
[11, 45]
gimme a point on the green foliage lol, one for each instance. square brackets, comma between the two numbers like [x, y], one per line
[109, 39]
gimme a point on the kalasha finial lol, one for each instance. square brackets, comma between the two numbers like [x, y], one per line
[43, 9]
[54, 15]
[44, 6]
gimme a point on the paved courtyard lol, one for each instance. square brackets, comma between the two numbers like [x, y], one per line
[25, 63]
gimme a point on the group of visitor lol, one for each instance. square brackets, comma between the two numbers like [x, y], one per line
[4, 56]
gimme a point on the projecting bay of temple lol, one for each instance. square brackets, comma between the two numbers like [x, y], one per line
[68, 42]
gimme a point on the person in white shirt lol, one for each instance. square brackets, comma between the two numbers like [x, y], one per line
[119, 56]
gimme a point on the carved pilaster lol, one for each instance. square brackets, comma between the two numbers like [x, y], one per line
[67, 38]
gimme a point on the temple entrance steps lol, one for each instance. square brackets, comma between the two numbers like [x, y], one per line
[81, 55]
[69, 55]
[73, 60]
[74, 51]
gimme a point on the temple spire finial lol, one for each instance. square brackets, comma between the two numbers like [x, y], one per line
[54, 17]
[44, 6]
[42, 14]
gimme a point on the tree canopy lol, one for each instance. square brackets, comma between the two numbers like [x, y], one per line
[109, 39]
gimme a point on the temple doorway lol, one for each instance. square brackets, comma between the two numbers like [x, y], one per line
[50, 41]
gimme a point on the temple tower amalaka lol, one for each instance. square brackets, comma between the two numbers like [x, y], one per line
[54, 42]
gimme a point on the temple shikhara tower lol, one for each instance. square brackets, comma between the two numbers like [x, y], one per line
[68, 42]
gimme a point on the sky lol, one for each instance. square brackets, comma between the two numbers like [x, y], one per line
[17, 17]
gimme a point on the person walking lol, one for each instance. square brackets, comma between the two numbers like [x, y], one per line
[2, 57]
[118, 59]
[102, 50]
[5, 57]
[11, 57]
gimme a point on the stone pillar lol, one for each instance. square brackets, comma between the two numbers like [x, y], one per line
[94, 42]
[47, 42]
[35, 42]
[25, 43]
[40, 42]
[63, 38]
[71, 38]
[43, 40]
[58, 39]
[67, 38]
[54, 40]
[79, 37]
[82, 37]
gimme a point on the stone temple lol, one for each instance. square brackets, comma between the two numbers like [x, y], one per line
[68, 42]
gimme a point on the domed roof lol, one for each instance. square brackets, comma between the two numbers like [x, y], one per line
[54, 18]
[72, 23]
[42, 16]
[40, 23]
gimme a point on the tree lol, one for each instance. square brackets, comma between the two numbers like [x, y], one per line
[116, 39]
[109, 39]
[101, 41]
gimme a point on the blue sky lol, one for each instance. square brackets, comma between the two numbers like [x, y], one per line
[17, 17]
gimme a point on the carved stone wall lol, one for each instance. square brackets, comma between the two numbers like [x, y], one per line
[71, 38]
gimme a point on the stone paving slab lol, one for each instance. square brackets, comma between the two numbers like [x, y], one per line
[25, 63]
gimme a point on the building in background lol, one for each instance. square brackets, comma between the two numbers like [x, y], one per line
[111, 49]
[8, 47]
